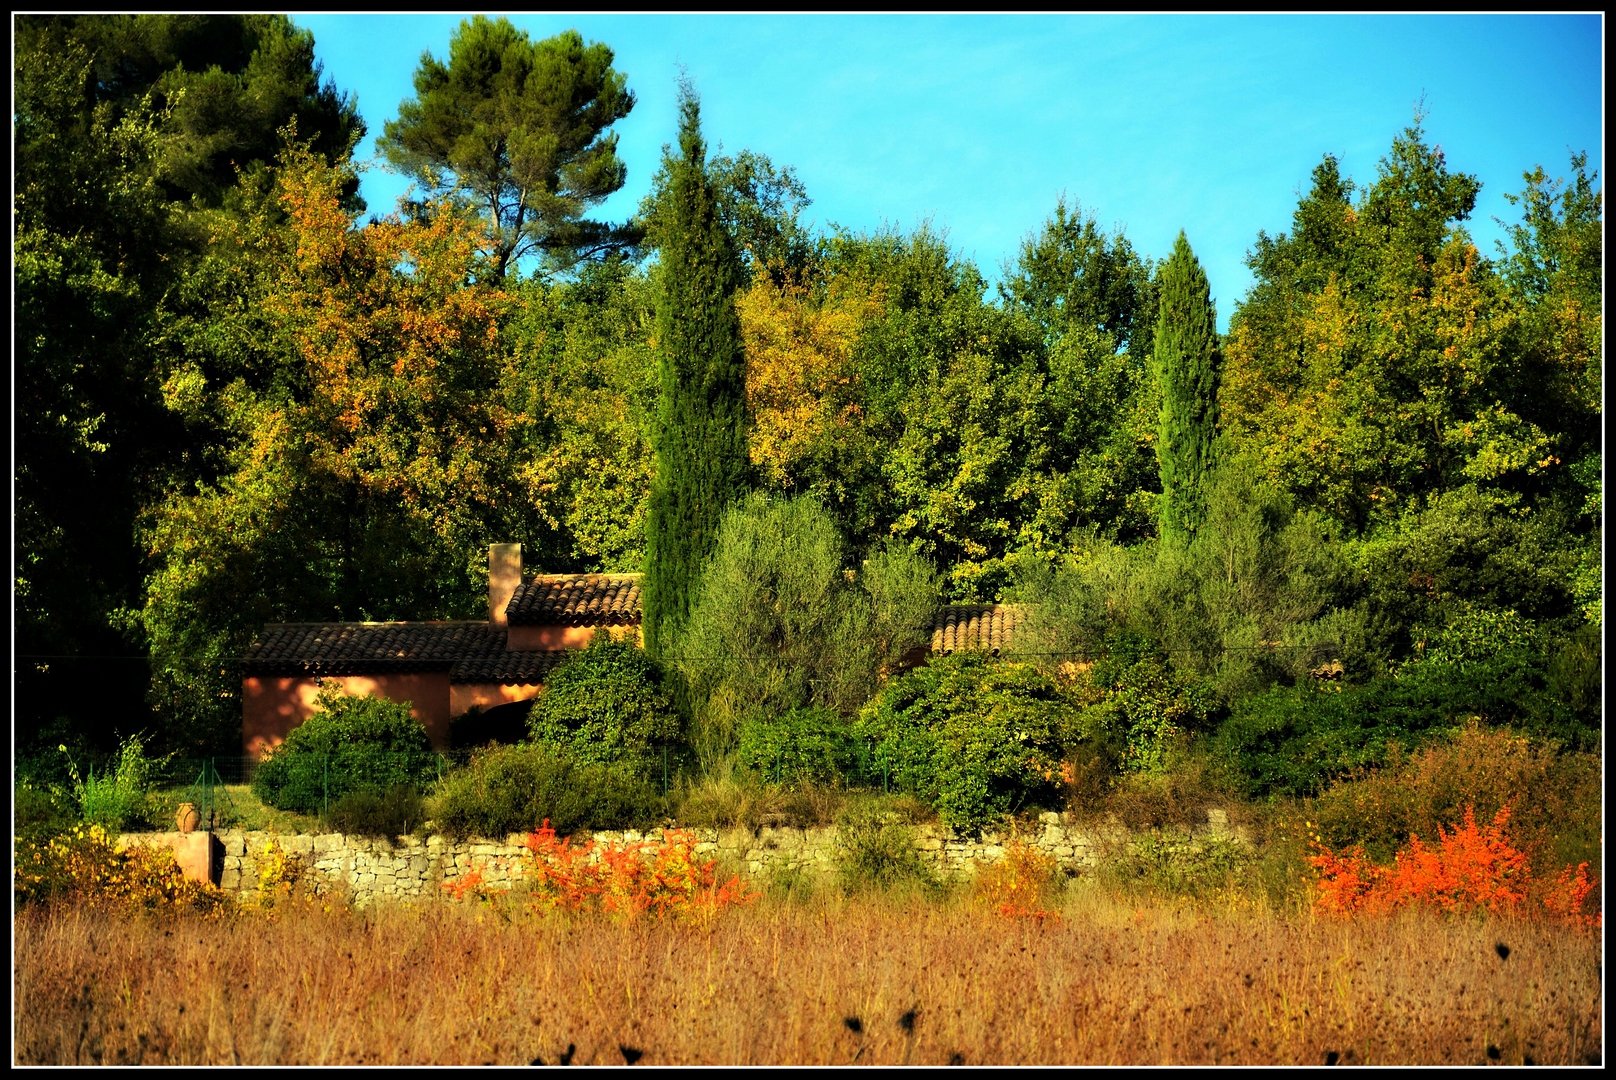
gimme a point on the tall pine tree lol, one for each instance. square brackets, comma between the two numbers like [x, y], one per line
[518, 129]
[1188, 363]
[701, 412]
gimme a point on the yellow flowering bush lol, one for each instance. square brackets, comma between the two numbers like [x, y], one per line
[283, 879]
[83, 866]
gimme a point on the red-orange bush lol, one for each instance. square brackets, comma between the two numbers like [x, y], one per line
[657, 878]
[1567, 896]
[1471, 866]
[469, 884]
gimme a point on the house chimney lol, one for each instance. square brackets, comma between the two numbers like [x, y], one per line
[504, 575]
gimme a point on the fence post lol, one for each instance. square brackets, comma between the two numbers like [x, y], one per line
[209, 809]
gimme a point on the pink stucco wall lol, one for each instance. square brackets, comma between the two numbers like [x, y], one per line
[271, 707]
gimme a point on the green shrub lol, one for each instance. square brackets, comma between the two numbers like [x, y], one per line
[1252, 600]
[606, 704]
[803, 746]
[1470, 543]
[387, 814]
[1494, 665]
[1171, 867]
[38, 810]
[781, 621]
[875, 851]
[1143, 707]
[48, 766]
[1480, 665]
[507, 789]
[1288, 741]
[1575, 679]
[1295, 741]
[973, 738]
[349, 744]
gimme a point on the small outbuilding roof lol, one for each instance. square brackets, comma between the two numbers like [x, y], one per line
[576, 600]
[975, 628]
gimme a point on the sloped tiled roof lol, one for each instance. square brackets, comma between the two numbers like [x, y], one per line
[468, 651]
[475, 652]
[974, 627]
[576, 600]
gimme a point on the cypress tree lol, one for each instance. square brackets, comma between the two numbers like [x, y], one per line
[700, 432]
[1188, 363]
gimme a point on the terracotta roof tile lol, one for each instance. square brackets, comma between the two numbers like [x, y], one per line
[974, 627]
[576, 600]
[468, 651]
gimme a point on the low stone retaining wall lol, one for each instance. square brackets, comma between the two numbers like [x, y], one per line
[412, 868]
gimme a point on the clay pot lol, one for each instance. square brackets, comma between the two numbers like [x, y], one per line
[187, 818]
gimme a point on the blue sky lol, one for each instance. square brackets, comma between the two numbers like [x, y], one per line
[978, 123]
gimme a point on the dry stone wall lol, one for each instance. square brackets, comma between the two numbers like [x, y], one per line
[411, 868]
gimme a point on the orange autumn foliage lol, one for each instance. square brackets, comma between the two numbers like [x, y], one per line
[1566, 897]
[397, 330]
[469, 884]
[1472, 866]
[628, 880]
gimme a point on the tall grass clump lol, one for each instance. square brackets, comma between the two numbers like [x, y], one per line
[734, 797]
[875, 851]
[117, 797]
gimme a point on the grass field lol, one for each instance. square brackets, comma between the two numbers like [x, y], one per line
[823, 981]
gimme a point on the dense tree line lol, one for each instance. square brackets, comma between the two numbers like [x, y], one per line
[238, 402]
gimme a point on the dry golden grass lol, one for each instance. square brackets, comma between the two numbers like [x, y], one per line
[826, 982]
